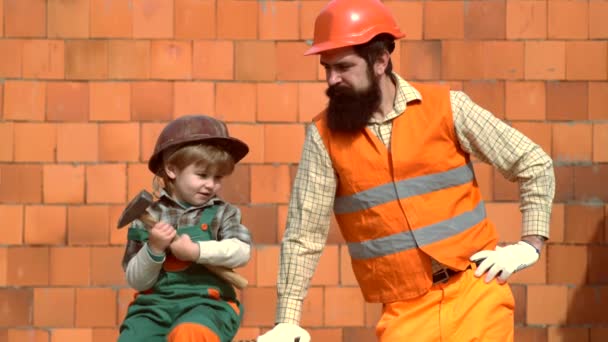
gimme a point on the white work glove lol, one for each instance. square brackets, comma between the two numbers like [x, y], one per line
[504, 261]
[285, 332]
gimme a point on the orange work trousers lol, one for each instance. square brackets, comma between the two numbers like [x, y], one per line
[463, 309]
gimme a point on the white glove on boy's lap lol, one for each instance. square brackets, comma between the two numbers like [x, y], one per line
[285, 332]
[504, 261]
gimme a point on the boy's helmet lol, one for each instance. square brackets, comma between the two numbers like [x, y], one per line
[192, 129]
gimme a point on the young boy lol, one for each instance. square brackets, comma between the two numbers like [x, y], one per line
[179, 300]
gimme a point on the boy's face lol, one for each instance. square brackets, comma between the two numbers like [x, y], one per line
[194, 185]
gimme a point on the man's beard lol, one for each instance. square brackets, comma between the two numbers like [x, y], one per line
[349, 111]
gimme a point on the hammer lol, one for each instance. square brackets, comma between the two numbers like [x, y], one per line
[138, 209]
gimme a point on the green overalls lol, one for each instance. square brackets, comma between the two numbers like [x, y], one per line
[188, 295]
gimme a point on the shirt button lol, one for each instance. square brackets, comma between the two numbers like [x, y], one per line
[204, 226]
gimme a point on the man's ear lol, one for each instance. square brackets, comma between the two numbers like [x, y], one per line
[171, 171]
[382, 63]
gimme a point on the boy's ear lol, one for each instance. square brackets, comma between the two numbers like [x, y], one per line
[170, 170]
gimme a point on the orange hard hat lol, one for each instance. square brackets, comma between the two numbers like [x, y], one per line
[351, 22]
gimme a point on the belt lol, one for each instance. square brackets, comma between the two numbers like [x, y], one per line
[445, 273]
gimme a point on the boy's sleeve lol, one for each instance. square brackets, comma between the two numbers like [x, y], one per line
[141, 266]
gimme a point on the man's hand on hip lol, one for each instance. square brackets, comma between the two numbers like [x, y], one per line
[504, 261]
[285, 332]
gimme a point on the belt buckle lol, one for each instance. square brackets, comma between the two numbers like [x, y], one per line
[441, 276]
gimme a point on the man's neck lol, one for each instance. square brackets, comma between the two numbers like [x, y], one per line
[388, 90]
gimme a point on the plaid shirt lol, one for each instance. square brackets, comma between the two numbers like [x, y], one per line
[480, 134]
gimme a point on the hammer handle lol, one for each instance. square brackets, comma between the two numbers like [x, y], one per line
[225, 273]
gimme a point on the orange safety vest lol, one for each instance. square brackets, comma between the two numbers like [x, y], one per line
[397, 209]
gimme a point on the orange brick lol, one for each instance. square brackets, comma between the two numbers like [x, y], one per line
[193, 98]
[409, 16]
[600, 141]
[557, 223]
[598, 256]
[119, 142]
[567, 334]
[546, 304]
[525, 101]
[86, 59]
[21, 183]
[149, 134]
[587, 305]
[564, 150]
[278, 20]
[43, 59]
[195, 19]
[151, 101]
[421, 60]
[485, 20]
[347, 276]
[105, 335]
[261, 220]
[567, 264]
[484, 178]
[567, 19]
[584, 223]
[311, 100]
[312, 308]
[443, 20]
[327, 271]
[545, 60]
[237, 19]
[68, 19]
[588, 182]
[249, 270]
[28, 335]
[540, 133]
[67, 101]
[587, 60]
[343, 307]
[360, 334]
[290, 54]
[272, 184]
[12, 216]
[526, 19]
[567, 101]
[117, 236]
[264, 300]
[248, 56]
[43, 133]
[109, 101]
[125, 297]
[106, 183]
[26, 18]
[236, 188]
[6, 141]
[170, 59]
[503, 59]
[507, 219]
[598, 12]
[88, 225]
[11, 51]
[77, 142]
[28, 266]
[488, 94]
[138, 178]
[373, 312]
[103, 300]
[111, 19]
[18, 307]
[105, 266]
[71, 335]
[267, 265]
[24, 100]
[283, 143]
[598, 106]
[598, 334]
[54, 307]
[228, 108]
[460, 59]
[526, 334]
[70, 266]
[213, 60]
[1, 18]
[504, 190]
[247, 334]
[45, 225]
[129, 59]
[308, 13]
[152, 18]
[277, 102]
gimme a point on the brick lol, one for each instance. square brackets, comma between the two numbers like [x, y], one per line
[236, 188]
[119, 142]
[525, 101]
[584, 223]
[86, 59]
[564, 183]
[28, 266]
[308, 13]
[3, 266]
[485, 20]
[46, 137]
[88, 225]
[105, 266]
[45, 225]
[545, 60]
[530, 334]
[247, 334]
[283, 143]
[312, 308]
[588, 183]
[546, 304]
[17, 304]
[567, 334]
[138, 178]
[25, 18]
[129, 59]
[11, 51]
[540, 133]
[567, 100]
[111, 19]
[600, 140]
[373, 313]
[43, 59]
[228, 109]
[565, 151]
[106, 183]
[247, 57]
[193, 98]
[153, 18]
[78, 142]
[328, 268]
[68, 19]
[254, 136]
[557, 223]
[277, 102]
[63, 263]
[109, 101]
[503, 59]
[1, 18]
[290, 54]
[526, 20]
[12, 216]
[105, 335]
[587, 60]
[21, 183]
[343, 307]
[519, 294]
[461, 59]
[567, 264]
[360, 334]
[598, 334]
[598, 106]
[117, 236]
[149, 134]
[28, 335]
[152, 101]
[484, 176]
[24, 100]
[267, 265]
[54, 307]
[598, 12]
[311, 100]
[507, 219]
[409, 17]
[67, 101]
[488, 94]
[213, 60]
[125, 297]
[504, 190]
[598, 256]
[71, 335]
[261, 220]
[567, 19]
[587, 305]
[104, 302]
[6, 141]
[264, 299]
[195, 19]
[237, 19]
[170, 59]
[421, 60]
[443, 20]
[278, 20]
[272, 184]
[249, 271]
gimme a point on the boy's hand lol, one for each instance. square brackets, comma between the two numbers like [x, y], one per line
[160, 237]
[184, 249]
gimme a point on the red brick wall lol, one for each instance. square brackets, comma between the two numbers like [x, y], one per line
[86, 85]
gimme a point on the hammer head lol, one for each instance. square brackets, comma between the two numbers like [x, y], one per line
[135, 208]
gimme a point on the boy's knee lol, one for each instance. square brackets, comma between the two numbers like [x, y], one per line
[192, 332]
